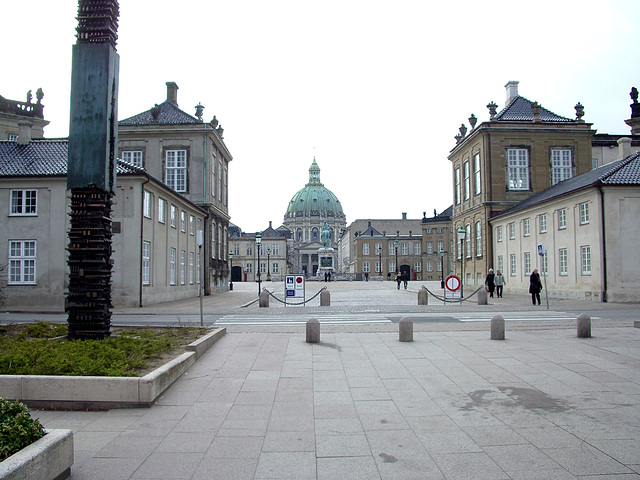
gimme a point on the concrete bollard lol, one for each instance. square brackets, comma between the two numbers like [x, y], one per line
[325, 298]
[264, 299]
[584, 326]
[482, 297]
[313, 331]
[497, 328]
[405, 330]
[423, 297]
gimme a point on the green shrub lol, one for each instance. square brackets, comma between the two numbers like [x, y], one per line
[17, 428]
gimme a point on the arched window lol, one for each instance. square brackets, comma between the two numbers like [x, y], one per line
[478, 239]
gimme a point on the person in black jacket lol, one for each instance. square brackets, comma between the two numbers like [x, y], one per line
[489, 282]
[535, 286]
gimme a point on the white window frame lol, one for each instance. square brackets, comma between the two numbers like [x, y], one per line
[22, 258]
[518, 169]
[213, 176]
[478, 239]
[392, 248]
[416, 248]
[172, 266]
[176, 170]
[527, 263]
[563, 262]
[467, 238]
[429, 248]
[133, 157]
[584, 213]
[161, 209]
[172, 215]
[392, 267]
[365, 267]
[429, 266]
[365, 249]
[561, 165]
[191, 225]
[562, 218]
[146, 208]
[501, 263]
[477, 186]
[512, 231]
[183, 221]
[146, 263]
[526, 227]
[513, 264]
[404, 248]
[191, 257]
[457, 186]
[440, 246]
[466, 175]
[249, 267]
[183, 267]
[585, 260]
[543, 223]
[499, 233]
[23, 203]
[275, 267]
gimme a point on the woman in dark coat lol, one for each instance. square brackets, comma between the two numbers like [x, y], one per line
[490, 284]
[535, 286]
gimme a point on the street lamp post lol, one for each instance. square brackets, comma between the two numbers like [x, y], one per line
[258, 242]
[379, 252]
[231, 270]
[268, 267]
[396, 242]
[442, 252]
[461, 234]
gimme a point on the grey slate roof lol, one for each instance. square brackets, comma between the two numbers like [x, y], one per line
[519, 109]
[444, 216]
[42, 158]
[625, 172]
[170, 114]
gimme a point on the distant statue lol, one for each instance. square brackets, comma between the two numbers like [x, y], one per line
[325, 235]
[155, 112]
[634, 94]
[39, 95]
[29, 96]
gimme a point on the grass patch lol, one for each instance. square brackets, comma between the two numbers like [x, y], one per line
[43, 349]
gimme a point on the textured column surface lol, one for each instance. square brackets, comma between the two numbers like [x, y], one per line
[325, 298]
[423, 297]
[264, 299]
[313, 331]
[405, 330]
[497, 328]
[482, 297]
[584, 326]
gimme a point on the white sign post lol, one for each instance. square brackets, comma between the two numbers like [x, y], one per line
[452, 286]
[294, 287]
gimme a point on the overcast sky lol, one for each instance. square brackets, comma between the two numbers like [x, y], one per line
[375, 90]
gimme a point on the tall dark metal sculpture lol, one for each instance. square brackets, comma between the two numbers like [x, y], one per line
[91, 173]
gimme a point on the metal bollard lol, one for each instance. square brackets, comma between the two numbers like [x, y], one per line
[325, 298]
[423, 297]
[313, 331]
[482, 297]
[264, 299]
[405, 330]
[584, 326]
[497, 328]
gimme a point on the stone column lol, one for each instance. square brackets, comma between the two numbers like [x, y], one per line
[423, 297]
[584, 326]
[313, 331]
[264, 299]
[497, 328]
[325, 298]
[406, 330]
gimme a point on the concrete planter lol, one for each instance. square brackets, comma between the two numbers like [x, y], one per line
[49, 458]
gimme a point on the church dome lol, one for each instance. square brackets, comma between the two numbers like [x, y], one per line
[314, 199]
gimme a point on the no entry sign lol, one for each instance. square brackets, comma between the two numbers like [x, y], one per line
[452, 283]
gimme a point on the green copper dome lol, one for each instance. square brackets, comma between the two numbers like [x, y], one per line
[314, 199]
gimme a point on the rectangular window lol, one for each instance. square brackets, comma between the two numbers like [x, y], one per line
[457, 180]
[476, 174]
[249, 268]
[22, 262]
[172, 267]
[213, 176]
[527, 263]
[439, 264]
[191, 225]
[584, 213]
[518, 168]
[275, 249]
[190, 268]
[275, 267]
[512, 260]
[147, 204]
[146, 263]
[405, 248]
[526, 227]
[563, 261]
[392, 267]
[183, 221]
[365, 249]
[161, 206]
[467, 180]
[365, 267]
[499, 233]
[478, 239]
[500, 263]
[467, 242]
[545, 266]
[543, 223]
[392, 248]
[213, 240]
[378, 268]
[512, 231]
[172, 215]
[249, 250]
[585, 256]
[134, 157]
[429, 248]
[562, 218]
[440, 246]
[416, 248]
[176, 170]
[560, 165]
[429, 266]
[263, 268]
[378, 249]
[183, 272]
[23, 202]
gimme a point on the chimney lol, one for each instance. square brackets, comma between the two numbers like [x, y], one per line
[624, 147]
[172, 93]
[404, 215]
[512, 90]
[24, 133]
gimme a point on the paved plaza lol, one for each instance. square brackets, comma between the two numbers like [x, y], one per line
[453, 404]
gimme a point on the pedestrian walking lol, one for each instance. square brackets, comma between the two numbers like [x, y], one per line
[490, 282]
[398, 280]
[405, 278]
[535, 286]
[499, 281]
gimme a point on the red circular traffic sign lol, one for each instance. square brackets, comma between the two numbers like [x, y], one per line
[452, 283]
